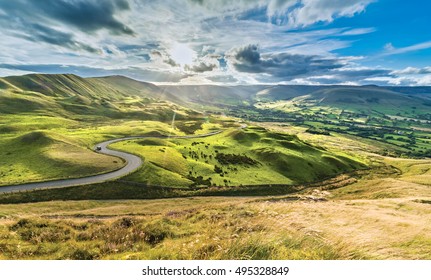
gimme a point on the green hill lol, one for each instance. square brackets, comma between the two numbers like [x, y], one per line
[71, 96]
[367, 96]
[41, 156]
[252, 156]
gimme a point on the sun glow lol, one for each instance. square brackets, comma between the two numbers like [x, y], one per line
[182, 54]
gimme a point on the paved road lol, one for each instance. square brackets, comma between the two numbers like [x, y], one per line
[132, 163]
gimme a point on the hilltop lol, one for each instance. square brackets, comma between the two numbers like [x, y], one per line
[68, 95]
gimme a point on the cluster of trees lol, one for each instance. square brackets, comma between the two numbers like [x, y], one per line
[314, 130]
[235, 159]
[200, 181]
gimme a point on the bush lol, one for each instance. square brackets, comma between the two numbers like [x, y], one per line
[156, 232]
[235, 159]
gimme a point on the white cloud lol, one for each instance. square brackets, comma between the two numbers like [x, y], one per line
[279, 7]
[313, 11]
[391, 50]
[424, 80]
[190, 41]
[413, 71]
[358, 31]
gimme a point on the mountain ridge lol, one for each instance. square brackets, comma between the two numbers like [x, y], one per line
[85, 94]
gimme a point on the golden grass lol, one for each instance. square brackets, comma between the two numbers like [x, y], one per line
[222, 228]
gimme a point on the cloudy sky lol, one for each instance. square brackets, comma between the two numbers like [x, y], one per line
[384, 42]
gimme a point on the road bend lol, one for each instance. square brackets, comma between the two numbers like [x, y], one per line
[132, 164]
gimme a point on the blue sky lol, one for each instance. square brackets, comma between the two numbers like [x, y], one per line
[383, 42]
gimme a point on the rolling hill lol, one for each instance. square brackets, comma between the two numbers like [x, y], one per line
[362, 96]
[71, 96]
[250, 156]
[108, 95]
[355, 98]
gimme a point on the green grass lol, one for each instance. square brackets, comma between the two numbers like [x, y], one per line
[40, 156]
[49, 124]
[274, 159]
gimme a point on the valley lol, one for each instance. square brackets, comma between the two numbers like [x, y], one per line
[296, 172]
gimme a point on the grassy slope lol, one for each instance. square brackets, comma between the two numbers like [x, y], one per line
[40, 156]
[63, 116]
[74, 97]
[167, 229]
[281, 159]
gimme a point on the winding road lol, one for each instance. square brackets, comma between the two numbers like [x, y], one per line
[132, 164]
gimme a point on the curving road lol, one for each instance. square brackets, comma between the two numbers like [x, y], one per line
[132, 163]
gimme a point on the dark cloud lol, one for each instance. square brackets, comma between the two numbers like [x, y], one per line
[280, 65]
[86, 15]
[51, 36]
[41, 21]
[156, 53]
[248, 55]
[200, 2]
[201, 67]
[170, 61]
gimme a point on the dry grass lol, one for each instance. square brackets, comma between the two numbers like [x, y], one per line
[315, 225]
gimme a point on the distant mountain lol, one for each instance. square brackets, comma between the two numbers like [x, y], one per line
[368, 97]
[359, 96]
[412, 90]
[118, 96]
[133, 87]
[215, 95]
[284, 92]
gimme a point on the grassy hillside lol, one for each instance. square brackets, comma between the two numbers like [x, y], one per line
[366, 98]
[50, 123]
[41, 156]
[236, 157]
[71, 96]
[381, 213]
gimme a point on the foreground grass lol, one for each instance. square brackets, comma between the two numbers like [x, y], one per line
[175, 229]
[218, 228]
